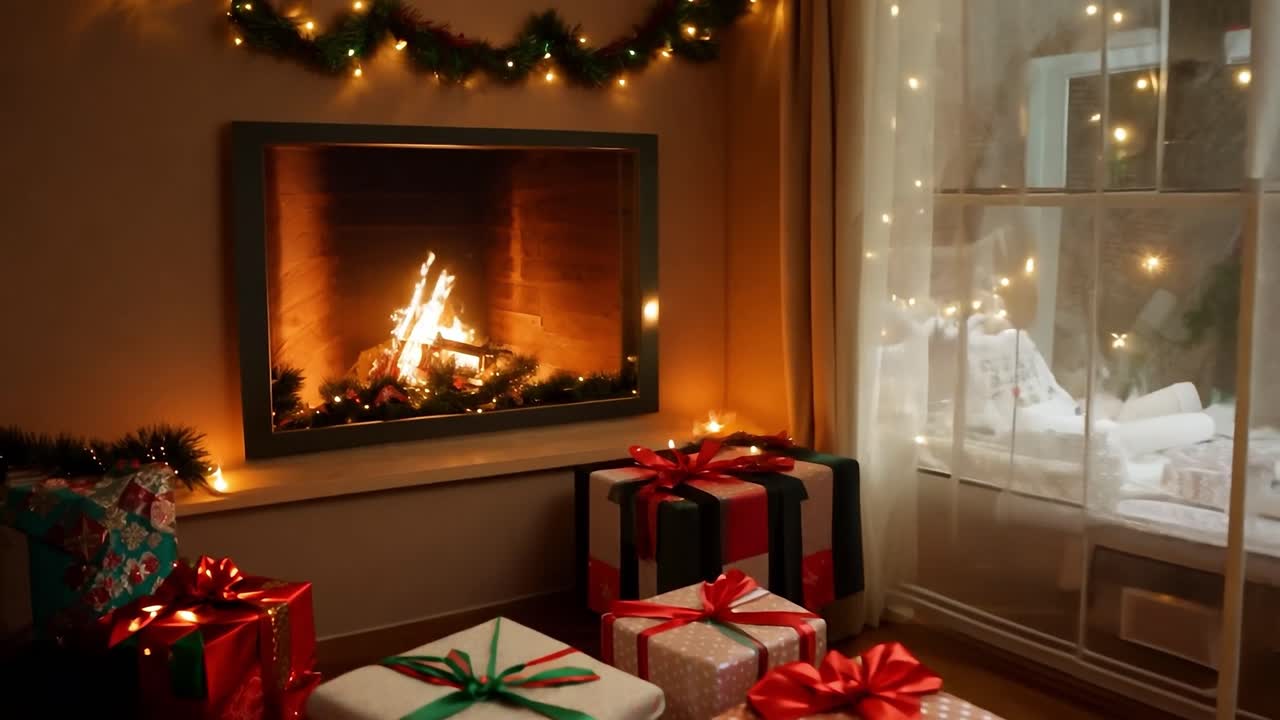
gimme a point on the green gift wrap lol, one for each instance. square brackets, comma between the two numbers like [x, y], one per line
[95, 544]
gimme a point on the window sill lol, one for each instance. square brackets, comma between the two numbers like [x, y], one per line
[386, 467]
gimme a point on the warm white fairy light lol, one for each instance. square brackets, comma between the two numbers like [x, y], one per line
[1120, 133]
[550, 76]
[893, 10]
[671, 444]
[666, 52]
[582, 40]
[950, 310]
[238, 41]
[650, 311]
[1119, 340]
[1152, 263]
[1117, 17]
[547, 55]
[1244, 77]
[911, 302]
[219, 483]
[1090, 9]
[357, 72]
[1004, 282]
[402, 44]
[886, 218]
[1002, 313]
[1142, 83]
[622, 82]
[358, 4]
[351, 52]
[1096, 117]
[1030, 266]
[919, 183]
[690, 30]
[913, 82]
[310, 25]
[977, 305]
[921, 440]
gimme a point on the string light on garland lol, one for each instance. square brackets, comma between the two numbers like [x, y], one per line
[356, 35]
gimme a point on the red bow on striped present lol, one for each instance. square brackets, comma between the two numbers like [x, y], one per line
[682, 468]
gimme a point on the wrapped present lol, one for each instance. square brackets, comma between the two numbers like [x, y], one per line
[660, 521]
[214, 643]
[705, 645]
[494, 671]
[885, 683]
[95, 544]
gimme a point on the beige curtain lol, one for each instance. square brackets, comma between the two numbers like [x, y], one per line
[819, 160]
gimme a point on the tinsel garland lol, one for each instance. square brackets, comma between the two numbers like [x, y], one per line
[179, 447]
[683, 28]
[448, 390]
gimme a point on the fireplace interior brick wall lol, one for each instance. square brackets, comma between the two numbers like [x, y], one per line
[535, 237]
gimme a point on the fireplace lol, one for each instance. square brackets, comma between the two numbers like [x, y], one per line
[399, 283]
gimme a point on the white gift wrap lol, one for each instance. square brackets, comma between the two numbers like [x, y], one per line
[379, 693]
[702, 671]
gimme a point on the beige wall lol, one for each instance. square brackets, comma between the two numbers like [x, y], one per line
[118, 293]
[115, 245]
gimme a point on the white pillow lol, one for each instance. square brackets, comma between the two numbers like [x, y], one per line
[1006, 370]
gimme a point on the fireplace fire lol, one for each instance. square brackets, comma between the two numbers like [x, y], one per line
[414, 289]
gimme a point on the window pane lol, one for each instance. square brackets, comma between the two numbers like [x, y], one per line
[1260, 646]
[1168, 298]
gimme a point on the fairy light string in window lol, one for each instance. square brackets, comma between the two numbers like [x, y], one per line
[546, 47]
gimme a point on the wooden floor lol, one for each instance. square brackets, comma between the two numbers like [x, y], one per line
[1009, 688]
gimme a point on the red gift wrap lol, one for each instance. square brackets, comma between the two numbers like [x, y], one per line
[216, 644]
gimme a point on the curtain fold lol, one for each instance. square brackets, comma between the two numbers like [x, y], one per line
[833, 373]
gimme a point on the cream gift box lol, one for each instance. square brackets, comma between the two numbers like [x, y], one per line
[707, 665]
[381, 693]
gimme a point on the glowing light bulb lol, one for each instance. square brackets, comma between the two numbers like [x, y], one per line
[631, 52]
[1096, 117]
[1120, 133]
[550, 76]
[714, 426]
[1091, 9]
[247, 6]
[671, 444]
[358, 4]
[893, 10]
[357, 72]
[977, 305]
[1117, 17]
[1142, 84]
[146, 651]
[951, 310]
[650, 311]
[1030, 267]
[1119, 340]
[921, 440]
[754, 450]
[913, 82]
[1004, 282]
[238, 41]
[309, 25]
[351, 52]
[691, 30]
[582, 40]
[886, 218]
[337, 398]
[186, 616]
[622, 82]
[402, 44]
[511, 63]
[1151, 263]
[547, 56]
[919, 183]
[219, 483]
[666, 52]
[1002, 314]
[911, 302]
[1244, 77]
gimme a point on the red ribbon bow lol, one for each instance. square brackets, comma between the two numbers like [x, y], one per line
[887, 684]
[208, 581]
[681, 469]
[717, 600]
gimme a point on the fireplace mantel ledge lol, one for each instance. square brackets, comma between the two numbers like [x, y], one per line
[385, 467]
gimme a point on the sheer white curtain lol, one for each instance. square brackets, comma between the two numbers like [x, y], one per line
[899, 91]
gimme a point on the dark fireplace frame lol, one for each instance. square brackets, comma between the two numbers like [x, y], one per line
[249, 143]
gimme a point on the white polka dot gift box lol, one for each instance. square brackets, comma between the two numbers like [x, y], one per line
[500, 670]
[705, 645]
[885, 683]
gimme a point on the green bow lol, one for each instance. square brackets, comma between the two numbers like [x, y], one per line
[454, 670]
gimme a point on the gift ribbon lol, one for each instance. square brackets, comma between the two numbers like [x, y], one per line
[454, 670]
[682, 468]
[209, 581]
[718, 601]
[886, 683]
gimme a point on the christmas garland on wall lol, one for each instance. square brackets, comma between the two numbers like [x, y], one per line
[682, 28]
[180, 448]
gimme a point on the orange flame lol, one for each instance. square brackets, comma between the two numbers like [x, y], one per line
[419, 324]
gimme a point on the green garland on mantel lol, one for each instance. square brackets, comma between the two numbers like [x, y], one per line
[547, 44]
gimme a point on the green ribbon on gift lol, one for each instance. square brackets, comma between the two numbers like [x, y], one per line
[454, 670]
